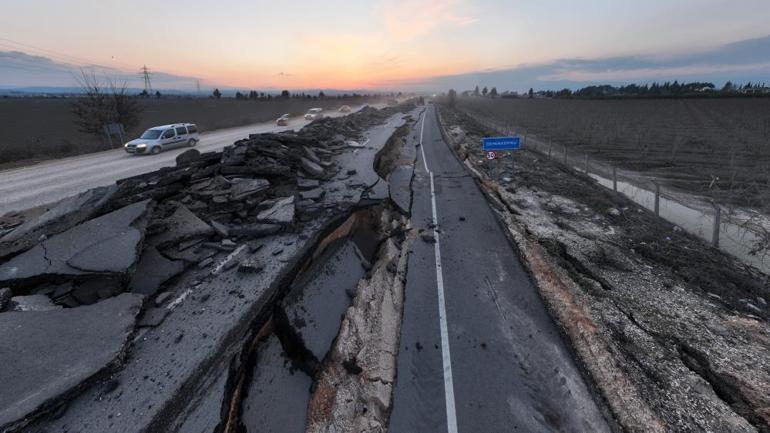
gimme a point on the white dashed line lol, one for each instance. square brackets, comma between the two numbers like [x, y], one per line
[449, 393]
[228, 259]
[179, 299]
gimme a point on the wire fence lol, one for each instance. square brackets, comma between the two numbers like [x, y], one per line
[741, 233]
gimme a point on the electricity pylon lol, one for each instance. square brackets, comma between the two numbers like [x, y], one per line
[146, 76]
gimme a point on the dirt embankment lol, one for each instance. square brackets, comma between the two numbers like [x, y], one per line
[672, 332]
[43, 128]
[714, 147]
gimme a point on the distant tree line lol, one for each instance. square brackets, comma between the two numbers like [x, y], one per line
[666, 90]
[675, 89]
[254, 95]
[485, 92]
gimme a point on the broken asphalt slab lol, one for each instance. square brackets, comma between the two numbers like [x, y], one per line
[47, 355]
[64, 215]
[31, 303]
[282, 212]
[400, 189]
[306, 184]
[5, 295]
[105, 245]
[354, 390]
[311, 168]
[182, 225]
[316, 302]
[278, 395]
[246, 187]
[212, 314]
[152, 271]
[400, 178]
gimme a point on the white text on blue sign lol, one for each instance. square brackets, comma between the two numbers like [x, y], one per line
[501, 143]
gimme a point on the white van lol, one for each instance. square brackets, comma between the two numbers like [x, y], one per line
[160, 138]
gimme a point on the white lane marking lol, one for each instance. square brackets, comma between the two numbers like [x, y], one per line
[228, 259]
[422, 147]
[449, 390]
[179, 300]
[451, 415]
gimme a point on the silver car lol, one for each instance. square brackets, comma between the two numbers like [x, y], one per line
[314, 113]
[160, 138]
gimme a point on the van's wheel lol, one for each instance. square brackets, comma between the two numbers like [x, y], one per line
[191, 142]
[155, 150]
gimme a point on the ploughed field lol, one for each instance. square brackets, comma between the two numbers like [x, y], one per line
[716, 147]
[44, 128]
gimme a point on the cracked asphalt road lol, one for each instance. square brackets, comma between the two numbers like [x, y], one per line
[479, 352]
[50, 181]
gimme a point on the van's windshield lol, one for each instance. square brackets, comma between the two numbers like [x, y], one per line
[151, 134]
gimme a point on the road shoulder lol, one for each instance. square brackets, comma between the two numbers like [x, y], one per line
[659, 341]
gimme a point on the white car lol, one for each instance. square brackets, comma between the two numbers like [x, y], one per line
[314, 113]
[283, 120]
[160, 138]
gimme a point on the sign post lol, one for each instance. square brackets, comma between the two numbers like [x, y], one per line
[492, 145]
[115, 130]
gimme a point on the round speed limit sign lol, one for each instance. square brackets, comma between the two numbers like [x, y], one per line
[491, 155]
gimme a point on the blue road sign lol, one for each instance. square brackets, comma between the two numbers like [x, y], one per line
[501, 143]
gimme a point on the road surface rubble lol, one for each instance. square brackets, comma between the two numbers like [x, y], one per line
[672, 333]
[143, 303]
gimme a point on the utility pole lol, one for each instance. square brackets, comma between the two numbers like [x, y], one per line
[146, 76]
[198, 86]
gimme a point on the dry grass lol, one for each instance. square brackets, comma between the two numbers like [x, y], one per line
[717, 147]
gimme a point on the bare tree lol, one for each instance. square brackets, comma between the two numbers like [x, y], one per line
[452, 97]
[102, 104]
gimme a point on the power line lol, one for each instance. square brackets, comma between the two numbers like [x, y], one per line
[51, 53]
[55, 55]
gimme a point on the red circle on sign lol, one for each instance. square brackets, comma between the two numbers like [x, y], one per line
[491, 155]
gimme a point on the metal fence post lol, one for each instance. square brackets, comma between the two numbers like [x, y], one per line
[614, 179]
[717, 223]
[586, 163]
[657, 199]
[550, 146]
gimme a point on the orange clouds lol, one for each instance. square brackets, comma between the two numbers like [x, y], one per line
[407, 19]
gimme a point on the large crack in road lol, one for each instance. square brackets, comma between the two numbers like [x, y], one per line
[286, 362]
[322, 334]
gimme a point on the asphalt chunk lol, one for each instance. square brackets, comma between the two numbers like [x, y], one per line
[104, 245]
[46, 355]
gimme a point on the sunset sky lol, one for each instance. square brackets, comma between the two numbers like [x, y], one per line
[378, 44]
